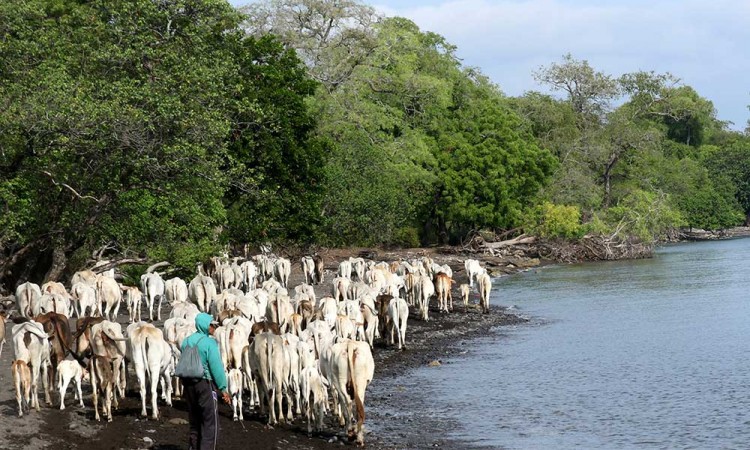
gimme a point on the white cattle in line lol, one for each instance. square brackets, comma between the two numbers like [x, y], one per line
[328, 309]
[184, 310]
[350, 366]
[270, 366]
[306, 289]
[109, 296]
[153, 287]
[358, 268]
[152, 358]
[283, 268]
[84, 296]
[249, 275]
[226, 277]
[70, 370]
[465, 293]
[84, 276]
[133, 298]
[340, 289]
[201, 291]
[53, 302]
[345, 328]
[22, 383]
[410, 287]
[307, 265]
[234, 385]
[175, 289]
[27, 298]
[345, 269]
[32, 350]
[314, 397]
[473, 269]
[398, 314]
[484, 283]
[425, 292]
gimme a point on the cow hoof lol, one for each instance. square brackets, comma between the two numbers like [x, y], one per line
[62, 407]
[234, 418]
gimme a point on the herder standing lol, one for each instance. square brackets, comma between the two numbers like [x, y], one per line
[201, 393]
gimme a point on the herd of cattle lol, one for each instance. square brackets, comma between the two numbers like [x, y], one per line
[276, 343]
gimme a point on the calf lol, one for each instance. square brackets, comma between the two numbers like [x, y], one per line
[314, 397]
[133, 298]
[485, 285]
[103, 377]
[22, 383]
[465, 292]
[67, 370]
[234, 381]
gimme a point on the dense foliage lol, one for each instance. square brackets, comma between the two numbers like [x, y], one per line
[148, 131]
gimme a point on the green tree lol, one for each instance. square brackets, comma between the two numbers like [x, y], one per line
[124, 125]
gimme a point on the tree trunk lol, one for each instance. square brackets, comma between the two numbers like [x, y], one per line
[59, 262]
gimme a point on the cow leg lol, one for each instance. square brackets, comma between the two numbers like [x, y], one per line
[63, 387]
[158, 308]
[94, 389]
[18, 384]
[78, 389]
[108, 393]
[155, 375]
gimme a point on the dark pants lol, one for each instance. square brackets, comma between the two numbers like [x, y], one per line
[204, 414]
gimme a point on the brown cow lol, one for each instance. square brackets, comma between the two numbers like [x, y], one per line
[60, 339]
[319, 266]
[262, 327]
[443, 284]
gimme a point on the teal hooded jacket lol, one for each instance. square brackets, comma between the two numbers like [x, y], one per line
[208, 349]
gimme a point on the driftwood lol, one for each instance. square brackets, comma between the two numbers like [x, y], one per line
[157, 265]
[522, 239]
[117, 262]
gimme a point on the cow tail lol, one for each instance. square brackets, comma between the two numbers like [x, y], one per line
[352, 360]
[144, 354]
[205, 295]
[269, 351]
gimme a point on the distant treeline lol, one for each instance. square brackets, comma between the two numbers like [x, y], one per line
[165, 130]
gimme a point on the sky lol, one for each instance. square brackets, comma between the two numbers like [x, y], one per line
[705, 43]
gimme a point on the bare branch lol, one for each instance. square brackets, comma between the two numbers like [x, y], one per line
[57, 183]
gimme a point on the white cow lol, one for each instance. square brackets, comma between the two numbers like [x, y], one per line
[308, 269]
[282, 268]
[153, 287]
[473, 269]
[67, 370]
[109, 296]
[84, 296]
[484, 282]
[398, 313]
[426, 291]
[345, 269]
[175, 289]
[350, 366]
[249, 275]
[31, 347]
[152, 357]
[53, 302]
[27, 298]
[202, 291]
[358, 268]
[465, 293]
[340, 289]
[314, 397]
[234, 383]
[133, 298]
[270, 366]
